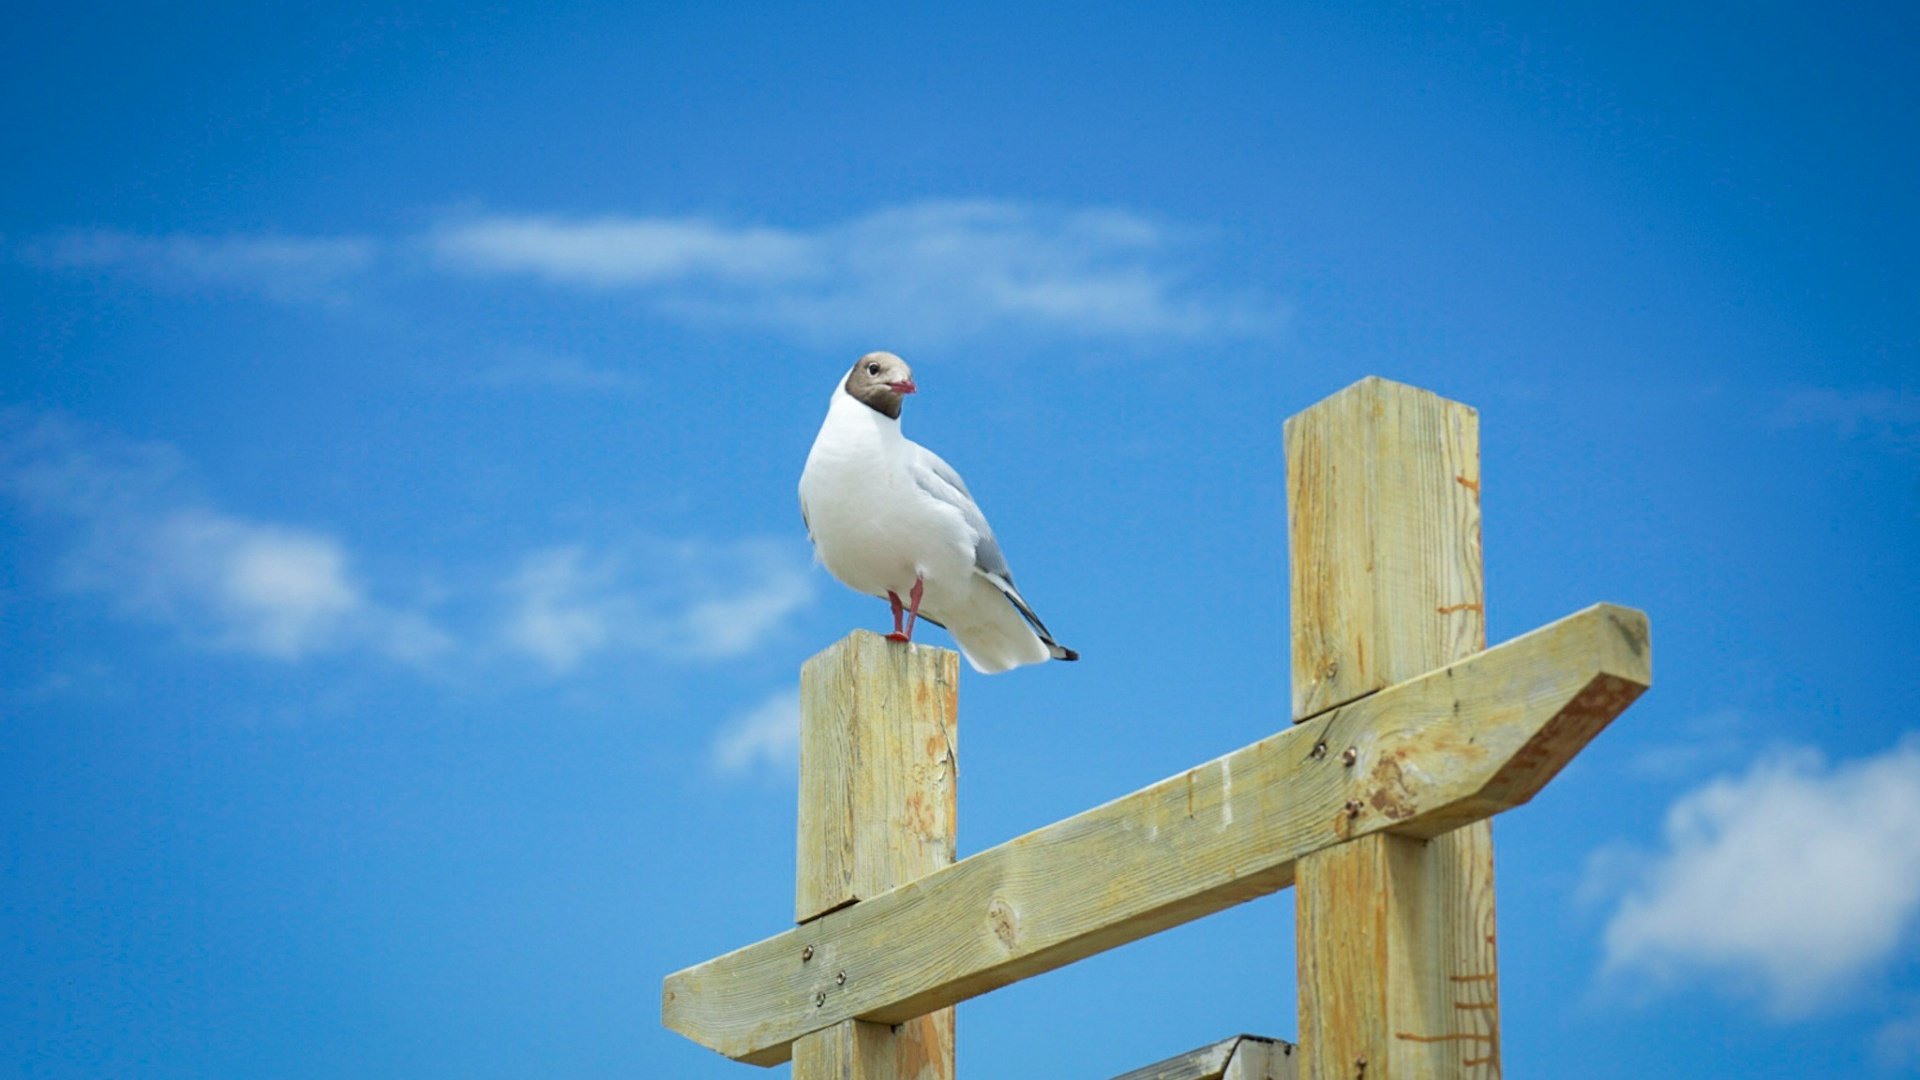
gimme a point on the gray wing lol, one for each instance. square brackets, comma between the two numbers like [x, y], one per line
[937, 478]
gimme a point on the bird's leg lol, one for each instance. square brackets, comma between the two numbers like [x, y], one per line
[894, 599]
[913, 611]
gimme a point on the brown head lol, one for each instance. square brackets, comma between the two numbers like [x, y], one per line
[879, 380]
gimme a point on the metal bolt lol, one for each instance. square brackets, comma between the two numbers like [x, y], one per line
[840, 979]
[806, 954]
[819, 999]
[1349, 756]
[1319, 750]
[1353, 807]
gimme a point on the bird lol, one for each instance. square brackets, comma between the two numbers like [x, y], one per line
[889, 518]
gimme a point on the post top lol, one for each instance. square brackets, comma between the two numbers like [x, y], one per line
[868, 643]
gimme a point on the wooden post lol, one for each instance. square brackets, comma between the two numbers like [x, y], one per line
[1395, 934]
[877, 809]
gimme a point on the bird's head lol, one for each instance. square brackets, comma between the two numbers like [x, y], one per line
[879, 380]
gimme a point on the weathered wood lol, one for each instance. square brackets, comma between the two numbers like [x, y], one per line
[1243, 1057]
[1452, 746]
[1203, 1063]
[1383, 518]
[877, 809]
[1395, 936]
[877, 746]
[1263, 1059]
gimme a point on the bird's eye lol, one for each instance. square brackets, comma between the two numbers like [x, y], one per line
[873, 369]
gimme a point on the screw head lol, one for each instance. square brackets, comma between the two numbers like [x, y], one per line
[1349, 756]
[819, 999]
[806, 954]
[840, 979]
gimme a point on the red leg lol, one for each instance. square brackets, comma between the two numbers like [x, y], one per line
[897, 608]
[913, 612]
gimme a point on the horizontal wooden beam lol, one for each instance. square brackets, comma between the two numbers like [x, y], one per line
[1243, 1057]
[1454, 745]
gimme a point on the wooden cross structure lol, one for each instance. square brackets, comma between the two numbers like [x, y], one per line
[1407, 736]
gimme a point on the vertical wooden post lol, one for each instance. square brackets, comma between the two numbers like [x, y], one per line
[1395, 935]
[877, 809]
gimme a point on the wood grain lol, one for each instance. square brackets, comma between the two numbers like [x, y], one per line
[1430, 754]
[1394, 935]
[1242, 1057]
[877, 809]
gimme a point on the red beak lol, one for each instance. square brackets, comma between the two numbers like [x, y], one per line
[904, 386]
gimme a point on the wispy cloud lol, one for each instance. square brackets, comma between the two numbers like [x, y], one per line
[685, 601]
[526, 369]
[1697, 746]
[1886, 414]
[279, 267]
[148, 540]
[766, 737]
[614, 251]
[936, 270]
[1896, 1045]
[912, 273]
[1795, 881]
[140, 532]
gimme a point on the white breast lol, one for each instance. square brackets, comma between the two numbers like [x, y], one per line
[873, 527]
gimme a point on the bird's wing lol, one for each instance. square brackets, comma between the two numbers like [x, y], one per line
[804, 520]
[938, 479]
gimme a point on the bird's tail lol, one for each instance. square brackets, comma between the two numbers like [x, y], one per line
[1054, 649]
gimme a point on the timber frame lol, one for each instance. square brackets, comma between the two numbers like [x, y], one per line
[1408, 734]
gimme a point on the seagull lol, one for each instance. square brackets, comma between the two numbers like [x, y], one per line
[889, 518]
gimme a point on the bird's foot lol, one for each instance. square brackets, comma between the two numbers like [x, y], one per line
[898, 636]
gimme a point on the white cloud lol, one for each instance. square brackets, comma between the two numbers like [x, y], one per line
[685, 601]
[527, 369]
[276, 266]
[1697, 746]
[911, 274]
[143, 535]
[1796, 881]
[1897, 1044]
[764, 587]
[623, 251]
[1885, 414]
[936, 270]
[767, 736]
[159, 551]
[566, 607]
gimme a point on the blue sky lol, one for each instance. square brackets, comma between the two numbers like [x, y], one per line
[404, 589]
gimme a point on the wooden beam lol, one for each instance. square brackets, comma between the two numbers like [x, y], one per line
[1452, 746]
[877, 809]
[1243, 1057]
[1394, 936]
[1263, 1059]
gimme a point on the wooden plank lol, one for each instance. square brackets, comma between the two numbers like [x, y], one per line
[877, 809]
[1452, 746]
[1263, 1059]
[1393, 935]
[1242, 1057]
[1204, 1063]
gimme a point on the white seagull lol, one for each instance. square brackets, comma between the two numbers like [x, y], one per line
[889, 518]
